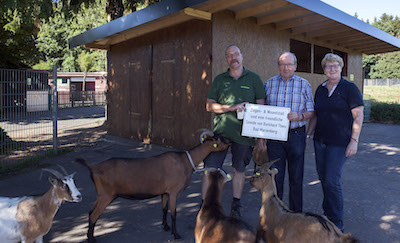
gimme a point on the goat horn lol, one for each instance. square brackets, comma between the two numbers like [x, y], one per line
[204, 133]
[269, 164]
[63, 170]
[224, 174]
[54, 172]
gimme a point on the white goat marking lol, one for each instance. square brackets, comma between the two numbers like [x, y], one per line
[9, 229]
[75, 194]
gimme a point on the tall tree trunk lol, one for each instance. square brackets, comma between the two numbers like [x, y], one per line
[114, 9]
[84, 81]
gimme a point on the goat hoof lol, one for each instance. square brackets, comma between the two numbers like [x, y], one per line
[166, 227]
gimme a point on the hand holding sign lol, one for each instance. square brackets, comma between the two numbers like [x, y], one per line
[264, 121]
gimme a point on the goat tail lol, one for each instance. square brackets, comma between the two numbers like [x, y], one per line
[83, 162]
[348, 238]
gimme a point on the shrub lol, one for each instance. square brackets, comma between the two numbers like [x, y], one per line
[5, 142]
[385, 112]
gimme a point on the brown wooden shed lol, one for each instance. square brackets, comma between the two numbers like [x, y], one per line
[162, 59]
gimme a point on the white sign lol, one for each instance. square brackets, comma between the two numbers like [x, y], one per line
[37, 101]
[264, 121]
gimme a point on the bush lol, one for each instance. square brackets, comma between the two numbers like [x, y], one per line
[5, 142]
[385, 112]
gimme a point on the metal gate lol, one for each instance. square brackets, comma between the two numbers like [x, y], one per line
[25, 116]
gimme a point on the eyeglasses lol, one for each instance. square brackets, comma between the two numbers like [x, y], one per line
[332, 67]
[236, 54]
[286, 65]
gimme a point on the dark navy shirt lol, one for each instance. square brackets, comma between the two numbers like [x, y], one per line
[334, 117]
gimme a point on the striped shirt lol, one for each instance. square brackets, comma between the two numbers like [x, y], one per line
[295, 94]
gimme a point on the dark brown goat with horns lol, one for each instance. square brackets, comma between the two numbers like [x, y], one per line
[212, 226]
[167, 175]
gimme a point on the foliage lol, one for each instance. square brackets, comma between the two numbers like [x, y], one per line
[35, 35]
[386, 65]
[17, 47]
[6, 143]
[385, 112]
[53, 36]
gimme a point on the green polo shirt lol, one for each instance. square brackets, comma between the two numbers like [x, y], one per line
[228, 91]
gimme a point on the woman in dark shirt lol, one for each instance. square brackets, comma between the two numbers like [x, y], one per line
[339, 116]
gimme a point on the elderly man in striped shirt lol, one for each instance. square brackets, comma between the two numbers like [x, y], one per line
[294, 92]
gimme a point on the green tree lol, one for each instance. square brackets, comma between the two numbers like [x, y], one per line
[86, 63]
[386, 65]
[53, 36]
[26, 29]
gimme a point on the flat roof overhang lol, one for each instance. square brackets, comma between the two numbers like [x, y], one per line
[305, 19]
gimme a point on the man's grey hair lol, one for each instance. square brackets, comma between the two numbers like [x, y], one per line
[290, 53]
[232, 45]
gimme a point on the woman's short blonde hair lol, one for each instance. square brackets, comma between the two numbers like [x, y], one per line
[330, 57]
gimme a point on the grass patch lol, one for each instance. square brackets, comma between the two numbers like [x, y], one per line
[385, 103]
[29, 164]
[383, 94]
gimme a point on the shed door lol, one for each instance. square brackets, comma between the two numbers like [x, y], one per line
[140, 88]
[164, 94]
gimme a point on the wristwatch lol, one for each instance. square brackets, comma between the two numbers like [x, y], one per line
[308, 136]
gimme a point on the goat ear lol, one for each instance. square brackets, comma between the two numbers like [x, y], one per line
[53, 181]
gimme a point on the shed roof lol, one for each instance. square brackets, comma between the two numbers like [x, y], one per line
[311, 19]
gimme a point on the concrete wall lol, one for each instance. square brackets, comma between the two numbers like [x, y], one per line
[261, 47]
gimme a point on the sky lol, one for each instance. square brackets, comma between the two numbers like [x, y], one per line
[367, 9]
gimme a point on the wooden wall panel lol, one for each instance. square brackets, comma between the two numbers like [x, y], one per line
[140, 64]
[118, 90]
[196, 81]
[185, 67]
[178, 83]
[165, 107]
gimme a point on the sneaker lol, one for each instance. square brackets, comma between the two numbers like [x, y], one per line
[235, 210]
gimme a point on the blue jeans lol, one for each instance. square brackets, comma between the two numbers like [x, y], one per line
[291, 151]
[329, 162]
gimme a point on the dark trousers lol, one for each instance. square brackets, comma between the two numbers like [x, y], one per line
[241, 156]
[292, 153]
[329, 162]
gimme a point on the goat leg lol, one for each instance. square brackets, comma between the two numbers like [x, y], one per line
[98, 208]
[164, 203]
[174, 233]
[172, 208]
[90, 232]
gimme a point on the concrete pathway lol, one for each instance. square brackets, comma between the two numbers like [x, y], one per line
[371, 183]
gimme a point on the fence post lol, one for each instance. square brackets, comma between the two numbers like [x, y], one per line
[55, 108]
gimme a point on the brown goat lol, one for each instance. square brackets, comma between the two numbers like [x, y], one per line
[211, 223]
[167, 175]
[278, 224]
[27, 219]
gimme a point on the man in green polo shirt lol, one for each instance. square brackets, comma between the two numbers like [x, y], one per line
[229, 93]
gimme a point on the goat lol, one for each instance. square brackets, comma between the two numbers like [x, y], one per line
[211, 223]
[278, 224]
[167, 175]
[27, 219]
